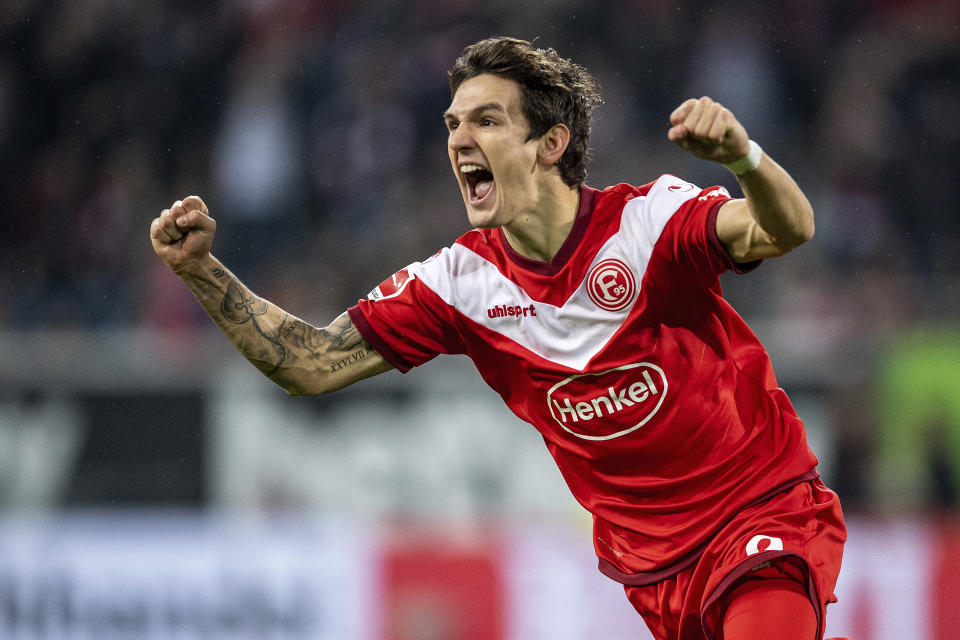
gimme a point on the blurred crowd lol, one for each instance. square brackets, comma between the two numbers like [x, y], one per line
[313, 131]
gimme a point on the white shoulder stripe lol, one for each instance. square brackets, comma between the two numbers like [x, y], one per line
[573, 333]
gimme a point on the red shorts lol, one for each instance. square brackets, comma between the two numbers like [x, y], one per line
[798, 534]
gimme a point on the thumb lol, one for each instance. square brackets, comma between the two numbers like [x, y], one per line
[677, 133]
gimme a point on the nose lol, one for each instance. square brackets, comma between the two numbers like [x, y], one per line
[460, 139]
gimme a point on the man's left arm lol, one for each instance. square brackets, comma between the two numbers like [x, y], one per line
[774, 216]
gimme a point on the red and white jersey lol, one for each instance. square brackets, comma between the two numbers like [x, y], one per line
[657, 402]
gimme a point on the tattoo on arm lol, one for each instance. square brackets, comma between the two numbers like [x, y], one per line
[239, 306]
[345, 335]
[353, 358]
[291, 338]
[342, 333]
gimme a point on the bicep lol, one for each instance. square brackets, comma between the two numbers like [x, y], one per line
[742, 236]
[327, 359]
[349, 357]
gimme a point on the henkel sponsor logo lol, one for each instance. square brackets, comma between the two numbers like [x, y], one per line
[611, 285]
[511, 311]
[609, 404]
[392, 286]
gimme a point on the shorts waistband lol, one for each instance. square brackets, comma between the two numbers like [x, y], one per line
[645, 578]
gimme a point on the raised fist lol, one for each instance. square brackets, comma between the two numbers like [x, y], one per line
[182, 234]
[709, 131]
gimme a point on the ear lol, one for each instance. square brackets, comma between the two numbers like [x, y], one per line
[552, 144]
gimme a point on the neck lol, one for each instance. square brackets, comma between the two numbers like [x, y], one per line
[539, 233]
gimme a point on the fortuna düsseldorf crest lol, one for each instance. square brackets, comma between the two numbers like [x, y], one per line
[611, 285]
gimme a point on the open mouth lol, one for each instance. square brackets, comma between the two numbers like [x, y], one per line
[479, 182]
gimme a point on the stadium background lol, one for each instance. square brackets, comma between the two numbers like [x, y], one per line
[153, 486]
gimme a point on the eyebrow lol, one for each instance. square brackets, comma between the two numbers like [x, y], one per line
[490, 106]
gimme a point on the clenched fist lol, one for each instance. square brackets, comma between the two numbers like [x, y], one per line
[182, 234]
[709, 131]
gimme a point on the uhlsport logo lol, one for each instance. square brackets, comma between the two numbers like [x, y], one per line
[511, 311]
[609, 404]
[611, 285]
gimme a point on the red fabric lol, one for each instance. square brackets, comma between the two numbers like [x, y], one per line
[797, 535]
[769, 609]
[657, 402]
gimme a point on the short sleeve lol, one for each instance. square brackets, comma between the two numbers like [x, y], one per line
[405, 321]
[690, 236]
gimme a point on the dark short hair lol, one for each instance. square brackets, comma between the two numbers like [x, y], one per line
[553, 90]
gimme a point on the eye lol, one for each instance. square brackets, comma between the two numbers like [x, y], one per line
[487, 122]
[452, 124]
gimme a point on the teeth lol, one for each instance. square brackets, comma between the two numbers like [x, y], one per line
[470, 168]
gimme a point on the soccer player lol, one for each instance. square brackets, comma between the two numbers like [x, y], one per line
[597, 315]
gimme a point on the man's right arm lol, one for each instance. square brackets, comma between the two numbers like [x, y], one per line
[302, 359]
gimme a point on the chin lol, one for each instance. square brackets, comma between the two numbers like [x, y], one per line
[480, 219]
[478, 222]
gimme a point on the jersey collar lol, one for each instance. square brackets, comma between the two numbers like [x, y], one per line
[569, 246]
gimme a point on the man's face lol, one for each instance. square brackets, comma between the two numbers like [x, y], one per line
[492, 159]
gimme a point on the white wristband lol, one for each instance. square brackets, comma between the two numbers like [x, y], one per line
[748, 162]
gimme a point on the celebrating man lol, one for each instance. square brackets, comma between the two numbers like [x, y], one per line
[597, 315]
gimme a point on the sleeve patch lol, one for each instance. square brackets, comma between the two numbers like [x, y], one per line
[718, 192]
[394, 285]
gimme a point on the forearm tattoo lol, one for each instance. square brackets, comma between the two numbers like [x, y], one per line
[292, 337]
[239, 306]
